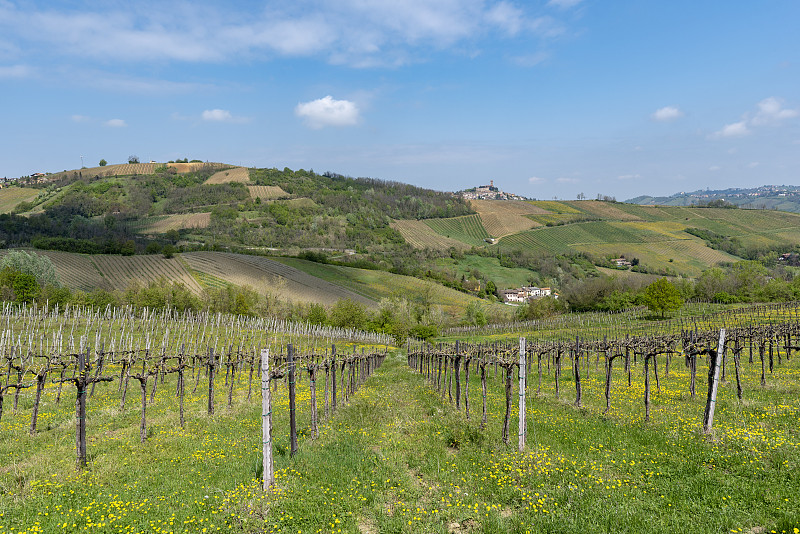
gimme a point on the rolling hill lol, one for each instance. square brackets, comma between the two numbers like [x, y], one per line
[435, 239]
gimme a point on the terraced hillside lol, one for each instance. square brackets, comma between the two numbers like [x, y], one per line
[655, 235]
[110, 272]
[124, 169]
[268, 276]
[502, 218]
[236, 174]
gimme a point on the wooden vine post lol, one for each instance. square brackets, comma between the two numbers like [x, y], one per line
[522, 376]
[713, 383]
[268, 472]
[292, 415]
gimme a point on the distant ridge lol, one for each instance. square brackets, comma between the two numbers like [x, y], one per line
[769, 197]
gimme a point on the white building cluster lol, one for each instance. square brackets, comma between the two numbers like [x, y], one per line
[524, 294]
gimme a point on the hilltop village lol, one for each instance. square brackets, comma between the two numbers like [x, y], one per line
[489, 192]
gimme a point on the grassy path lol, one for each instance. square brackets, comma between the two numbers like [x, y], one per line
[392, 462]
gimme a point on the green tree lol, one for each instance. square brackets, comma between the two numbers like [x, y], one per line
[661, 296]
[348, 314]
[316, 314]
[40, 267]
[103, 163]
[473, 315]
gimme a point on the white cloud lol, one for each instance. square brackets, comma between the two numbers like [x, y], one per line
[737, 129]
[222, 115]
[567, 180]
[80, 118]
[667, 114]
[507, 17]
[116, 123]
[536, 180]
[353, 32]
[752, 165]
[771, 111]
[328, 112]
[16, 71]
[714, 168]
[629, 177]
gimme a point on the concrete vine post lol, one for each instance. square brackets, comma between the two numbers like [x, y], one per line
[713, 383]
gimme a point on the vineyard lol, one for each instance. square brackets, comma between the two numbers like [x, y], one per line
[269, 276]
[96, 358]
[236, 174]
[508, 217]
[267, 192]
[420, 235]
[627, 424]
[467, 229]
[165, 223]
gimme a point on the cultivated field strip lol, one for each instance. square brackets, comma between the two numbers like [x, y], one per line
[268, 276]
[420, 235]
[75, 271]
[467, 228]
[236, 174]
[604, 210]
[11, 196]
[267, 192]
[119, 272]
[180, 221]
[502, 218]
[553, 206]
[124, 169]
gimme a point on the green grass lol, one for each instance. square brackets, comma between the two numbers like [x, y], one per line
[11, 196]
[400, 458]
[503, 277]
[378, 285]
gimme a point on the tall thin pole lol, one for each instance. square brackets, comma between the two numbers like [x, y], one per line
[522, 427]
[266, 422]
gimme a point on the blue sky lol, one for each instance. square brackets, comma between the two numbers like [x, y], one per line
[547, 98]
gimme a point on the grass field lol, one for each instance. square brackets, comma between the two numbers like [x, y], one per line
[10, 197]
[503, 277]
[400, 458]
[378, 285]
